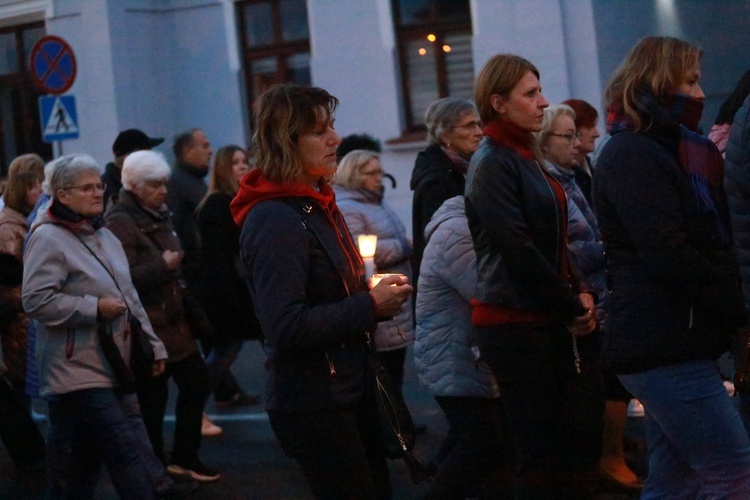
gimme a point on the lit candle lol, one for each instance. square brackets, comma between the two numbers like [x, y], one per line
[377, 277]
[367, 244]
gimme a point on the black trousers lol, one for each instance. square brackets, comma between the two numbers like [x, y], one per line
[18, 432]
[555, 413]
[191, 377]
[477, 455]
[339, 451]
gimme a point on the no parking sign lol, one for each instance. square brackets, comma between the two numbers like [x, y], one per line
[53, 65]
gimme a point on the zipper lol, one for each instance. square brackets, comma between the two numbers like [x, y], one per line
[331, 366]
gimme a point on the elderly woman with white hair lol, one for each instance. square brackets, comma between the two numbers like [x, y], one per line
[359, 195]
[77, 286]
[140, 219]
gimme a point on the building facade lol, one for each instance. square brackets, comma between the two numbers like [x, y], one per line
[168, 65]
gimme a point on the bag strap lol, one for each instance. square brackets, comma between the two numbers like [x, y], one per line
[109, 272]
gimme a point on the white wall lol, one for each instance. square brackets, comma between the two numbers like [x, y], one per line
[84, 24]
[159, 65]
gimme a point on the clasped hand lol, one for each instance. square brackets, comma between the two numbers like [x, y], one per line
[586, 323]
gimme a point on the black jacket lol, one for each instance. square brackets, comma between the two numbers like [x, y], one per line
[673, 286]
[737, 185]
[223, 290]
[518, 231]
[185, 190]
[434, 179]
[111, 177]
[314, 309]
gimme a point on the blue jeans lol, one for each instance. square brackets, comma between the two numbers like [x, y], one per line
[91, 427]
[697, 445]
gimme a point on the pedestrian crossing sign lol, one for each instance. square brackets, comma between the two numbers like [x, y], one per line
[59, 118]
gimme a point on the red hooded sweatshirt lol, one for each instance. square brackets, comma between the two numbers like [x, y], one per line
[255, 188]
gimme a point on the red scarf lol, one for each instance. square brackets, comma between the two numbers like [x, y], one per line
[509, 135]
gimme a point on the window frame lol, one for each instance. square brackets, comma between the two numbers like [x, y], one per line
[419, 31]
[279, 49]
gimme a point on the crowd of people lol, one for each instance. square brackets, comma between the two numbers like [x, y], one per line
[541, 291]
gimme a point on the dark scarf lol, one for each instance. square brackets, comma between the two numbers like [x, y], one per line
[698, 157]
[73, 220]
[459, 162]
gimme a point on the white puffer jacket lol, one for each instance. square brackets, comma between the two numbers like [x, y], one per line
[368, 213]
[445, 358]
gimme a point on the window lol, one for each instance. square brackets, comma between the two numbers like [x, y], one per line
[275, 44]
[20, 131]
[434, 41]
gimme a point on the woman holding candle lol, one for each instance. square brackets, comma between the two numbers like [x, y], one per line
[359, 194]
[307, 283]
[672, 277]
[527, 309]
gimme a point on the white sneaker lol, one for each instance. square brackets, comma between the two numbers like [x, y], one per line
[208, 428]
[635, 409]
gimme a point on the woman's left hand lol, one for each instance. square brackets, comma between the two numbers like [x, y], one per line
[159, 367]
[586, 323]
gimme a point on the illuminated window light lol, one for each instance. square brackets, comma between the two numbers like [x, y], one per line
[446, 48]
[422, 51]
[431, 37]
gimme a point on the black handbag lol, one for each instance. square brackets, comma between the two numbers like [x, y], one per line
[396, 425]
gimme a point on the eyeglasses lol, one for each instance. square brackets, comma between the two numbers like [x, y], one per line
[569, 137]
[469, 126]
[89, 188]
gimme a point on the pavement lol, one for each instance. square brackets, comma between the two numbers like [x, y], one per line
[250, 460]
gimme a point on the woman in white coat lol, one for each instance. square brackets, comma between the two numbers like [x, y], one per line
[359, 195]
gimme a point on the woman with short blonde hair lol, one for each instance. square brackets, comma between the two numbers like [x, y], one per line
[359, 195]
[350, 172]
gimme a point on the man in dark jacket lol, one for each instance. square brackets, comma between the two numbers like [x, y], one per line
[127, 141]
[186, 188]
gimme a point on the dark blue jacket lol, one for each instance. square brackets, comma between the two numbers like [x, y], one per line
[673, 287]
[737, 185]
[314, 309]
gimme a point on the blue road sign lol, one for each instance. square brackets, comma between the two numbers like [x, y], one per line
[59, 118]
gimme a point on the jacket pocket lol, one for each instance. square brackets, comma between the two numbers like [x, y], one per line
[70, 342]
